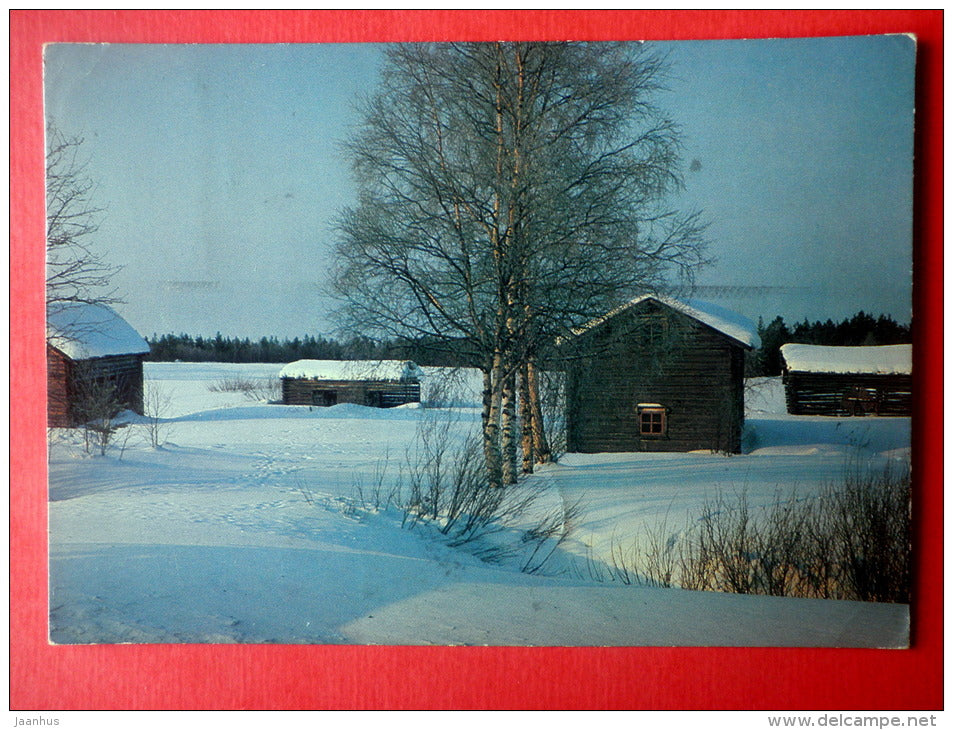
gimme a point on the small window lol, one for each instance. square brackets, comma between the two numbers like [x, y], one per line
[652, 421]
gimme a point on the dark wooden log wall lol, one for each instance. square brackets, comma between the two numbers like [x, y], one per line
[123, 372]
[656, 355]
[835, 394]
[377, 393]
[67, 381]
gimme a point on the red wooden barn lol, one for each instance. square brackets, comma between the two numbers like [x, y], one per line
[94, 362]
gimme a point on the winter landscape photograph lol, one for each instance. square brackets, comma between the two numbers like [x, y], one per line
[566, 344]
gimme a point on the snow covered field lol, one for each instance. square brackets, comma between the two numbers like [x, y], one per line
[242, 527]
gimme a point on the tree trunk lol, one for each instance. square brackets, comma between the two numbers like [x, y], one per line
[527, 441]
[541, 448]
[491, 421]
[508, 436]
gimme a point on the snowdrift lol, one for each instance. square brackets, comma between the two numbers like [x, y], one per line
[243, 526]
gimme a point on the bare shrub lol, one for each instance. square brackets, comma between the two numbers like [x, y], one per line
[155, 408]
[659, 563]
[724, 545]
[734, 550]
[270, 390]
[237, 384]
[449, 490]
[850, 542]
[381, 493]
[595, 569]
[100, 433]
[125, 435]
[782, 548]
[442, 486]
[254, 389]
[96, 405]
[549, 534]
[870, 522]
[623, 563]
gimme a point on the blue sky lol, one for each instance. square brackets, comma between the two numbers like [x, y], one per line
[221, 172]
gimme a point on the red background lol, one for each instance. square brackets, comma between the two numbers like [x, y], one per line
[43, 677]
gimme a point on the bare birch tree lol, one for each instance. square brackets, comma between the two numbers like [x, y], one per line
[75, 272]
[508, 193]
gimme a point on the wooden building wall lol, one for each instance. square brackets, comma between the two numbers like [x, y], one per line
[71, 386]
[57, 389]
[835, 394]
[655, 355]
[377, 393]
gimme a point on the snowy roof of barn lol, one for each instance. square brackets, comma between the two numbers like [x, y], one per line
[728, 323]
[85, 331]
[876, 360]
[390, 370]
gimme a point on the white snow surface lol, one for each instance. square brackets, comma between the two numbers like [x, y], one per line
[879, 360]
[395, 370]
[85, 331]
[729, 323]
[245, 527]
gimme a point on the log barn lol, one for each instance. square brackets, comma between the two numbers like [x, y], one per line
[93, 364]
[377, 383]
[848, 381]
[658, 374]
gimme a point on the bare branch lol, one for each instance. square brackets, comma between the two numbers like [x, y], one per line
[75, 272]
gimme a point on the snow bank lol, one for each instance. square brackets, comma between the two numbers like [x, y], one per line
[769, 434]
[84, 331]
[879, 360]
[394, 370]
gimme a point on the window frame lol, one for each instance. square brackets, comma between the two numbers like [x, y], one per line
[650, 415]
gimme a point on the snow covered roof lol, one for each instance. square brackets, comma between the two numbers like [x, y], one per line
[394, 370]
[723, 320]
[879, 360]
[85, 331]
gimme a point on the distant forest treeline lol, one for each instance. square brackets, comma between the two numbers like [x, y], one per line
[168, 348]
[861, 329]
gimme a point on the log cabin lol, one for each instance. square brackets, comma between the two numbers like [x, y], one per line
[658, 374]
[848, 381]
[93, 364]
[376, 383]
